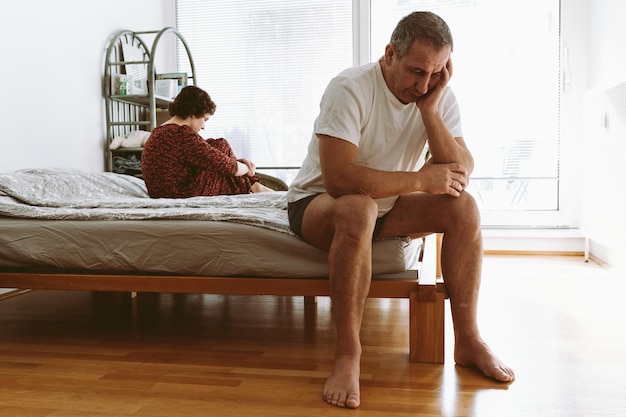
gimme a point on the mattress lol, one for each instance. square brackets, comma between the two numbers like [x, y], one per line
[186, 247]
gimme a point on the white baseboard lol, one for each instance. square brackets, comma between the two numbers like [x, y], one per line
[613, 256]
[554, 241]
[558, 241]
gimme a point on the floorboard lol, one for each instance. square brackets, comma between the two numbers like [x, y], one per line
[557, 320]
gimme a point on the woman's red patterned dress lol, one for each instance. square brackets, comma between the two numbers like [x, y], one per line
[177, 162]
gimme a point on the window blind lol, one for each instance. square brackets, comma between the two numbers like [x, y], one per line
[506, 77]
[266, 63]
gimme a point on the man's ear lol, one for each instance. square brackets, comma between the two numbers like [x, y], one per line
[390, 53]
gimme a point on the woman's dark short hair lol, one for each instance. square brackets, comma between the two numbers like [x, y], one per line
[423, 26]
[192, 101]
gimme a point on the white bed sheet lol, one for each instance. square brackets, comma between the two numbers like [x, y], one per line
[187, 247]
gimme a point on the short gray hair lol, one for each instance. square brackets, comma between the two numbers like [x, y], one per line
[423, 26]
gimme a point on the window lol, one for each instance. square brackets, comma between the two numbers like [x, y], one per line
[266, 64]
[506, 78]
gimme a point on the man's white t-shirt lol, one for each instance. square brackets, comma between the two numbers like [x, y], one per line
[357, 106]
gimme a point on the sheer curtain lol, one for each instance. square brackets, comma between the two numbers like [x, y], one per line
[507, 79]
[266, 64]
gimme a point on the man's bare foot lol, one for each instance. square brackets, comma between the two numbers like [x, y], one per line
[342, 388]
[477, 354]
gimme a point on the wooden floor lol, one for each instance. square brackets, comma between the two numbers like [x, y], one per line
[557, 320]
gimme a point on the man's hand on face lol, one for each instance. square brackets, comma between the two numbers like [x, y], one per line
[430, 100]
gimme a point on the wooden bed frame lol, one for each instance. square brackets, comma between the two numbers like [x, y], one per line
[426, 292]
[423, 287]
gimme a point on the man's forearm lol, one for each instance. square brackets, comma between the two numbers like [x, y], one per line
[357, 179]
[444, 148]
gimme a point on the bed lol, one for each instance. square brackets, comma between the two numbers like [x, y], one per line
[66, 229]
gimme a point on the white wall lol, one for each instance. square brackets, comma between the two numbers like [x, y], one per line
[52, 107]
[605, 40]
[603, 198]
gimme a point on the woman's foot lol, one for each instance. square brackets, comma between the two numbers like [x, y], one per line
[257, 187]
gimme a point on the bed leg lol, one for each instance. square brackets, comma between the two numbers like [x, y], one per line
[310, 299]
[426, 325]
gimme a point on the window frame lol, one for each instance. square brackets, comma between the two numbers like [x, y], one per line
[567, 215]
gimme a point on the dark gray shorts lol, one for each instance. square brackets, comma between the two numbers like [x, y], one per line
[296, 210]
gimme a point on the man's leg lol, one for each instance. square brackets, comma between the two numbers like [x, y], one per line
[344, 228]
[461, 262]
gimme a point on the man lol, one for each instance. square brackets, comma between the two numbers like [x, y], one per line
[363, 178]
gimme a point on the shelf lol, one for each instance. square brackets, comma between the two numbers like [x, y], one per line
[127, 150]
[144, 123]
[143, 100]
[128, 54]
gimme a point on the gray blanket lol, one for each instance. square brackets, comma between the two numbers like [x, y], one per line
[63, 193]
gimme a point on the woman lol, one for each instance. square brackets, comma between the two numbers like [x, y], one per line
[177, 162]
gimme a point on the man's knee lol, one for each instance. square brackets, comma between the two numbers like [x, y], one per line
[356, 211]
[350, 216]
[465, 209]
[469, 202]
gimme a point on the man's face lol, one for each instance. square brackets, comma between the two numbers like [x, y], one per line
[413, 75]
